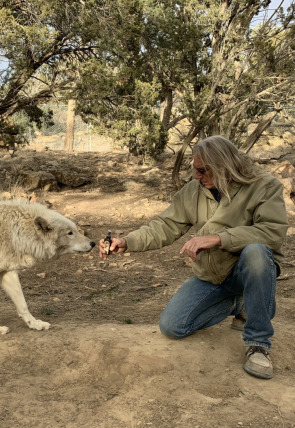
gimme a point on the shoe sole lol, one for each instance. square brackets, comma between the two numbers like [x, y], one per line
[257, 374]
[234, 327]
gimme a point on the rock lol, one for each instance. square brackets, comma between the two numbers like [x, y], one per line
[289, 137]
[271, 147]
[130, 185]
[285, 169]
[112, 164]
[275, 153]
[52, 163]
[83, 223]
[119, 232]
[5, 195]
[285, 172]
[39, 180]
[33, 197]
[69, 178]
[289, 188]
[41, 275]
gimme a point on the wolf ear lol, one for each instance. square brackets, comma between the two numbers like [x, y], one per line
[42, 224]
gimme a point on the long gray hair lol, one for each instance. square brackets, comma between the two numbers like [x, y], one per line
[226, 162]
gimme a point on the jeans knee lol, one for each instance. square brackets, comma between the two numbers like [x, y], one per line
[168, 328]
[257, 258]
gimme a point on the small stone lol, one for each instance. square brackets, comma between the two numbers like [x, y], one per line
[5, 195]
[41, 275]
[113, 264]
[83, 223]
[119, 232]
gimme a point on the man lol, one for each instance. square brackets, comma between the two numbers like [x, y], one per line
[239, 218]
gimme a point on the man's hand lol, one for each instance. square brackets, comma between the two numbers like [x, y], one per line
[195, 245]
[119, 245]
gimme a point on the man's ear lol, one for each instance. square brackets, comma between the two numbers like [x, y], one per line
[42, 224]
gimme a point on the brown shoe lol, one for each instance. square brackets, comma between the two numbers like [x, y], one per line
[258, 362]
[239, 321]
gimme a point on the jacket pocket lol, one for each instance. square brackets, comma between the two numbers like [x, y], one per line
[221, 263]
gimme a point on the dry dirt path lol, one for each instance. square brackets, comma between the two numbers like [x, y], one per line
[104, 363]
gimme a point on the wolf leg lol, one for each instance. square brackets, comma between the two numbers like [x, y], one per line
[3, 329]
[10, 283]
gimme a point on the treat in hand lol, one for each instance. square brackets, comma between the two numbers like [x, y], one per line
[107, 242]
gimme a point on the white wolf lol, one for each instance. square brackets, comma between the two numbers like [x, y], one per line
[29, 233]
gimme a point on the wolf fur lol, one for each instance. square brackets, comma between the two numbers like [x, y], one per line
[31, 233]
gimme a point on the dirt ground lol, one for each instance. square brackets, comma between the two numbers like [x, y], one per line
[104, 362]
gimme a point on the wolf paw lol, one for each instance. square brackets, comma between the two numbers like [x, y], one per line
[4, 330]
[38, 325]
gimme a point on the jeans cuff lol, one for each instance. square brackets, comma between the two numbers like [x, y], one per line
[252, 343]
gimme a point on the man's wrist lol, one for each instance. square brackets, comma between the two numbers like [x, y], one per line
[123, 243]
[216, 239]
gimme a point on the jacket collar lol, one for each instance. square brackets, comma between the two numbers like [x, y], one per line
[233, 190]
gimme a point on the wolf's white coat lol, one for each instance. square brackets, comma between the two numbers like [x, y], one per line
[30, 233]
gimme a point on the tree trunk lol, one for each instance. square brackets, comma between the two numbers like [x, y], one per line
[69, 141]
[261, 126]
[179, 158]
[166, 113]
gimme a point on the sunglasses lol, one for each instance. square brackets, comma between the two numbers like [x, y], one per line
[201, 170]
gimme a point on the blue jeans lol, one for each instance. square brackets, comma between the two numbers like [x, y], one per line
[200, 304]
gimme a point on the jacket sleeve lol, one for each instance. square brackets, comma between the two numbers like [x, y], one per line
[269, 226]
[167, 227]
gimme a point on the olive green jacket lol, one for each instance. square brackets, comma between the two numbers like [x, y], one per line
[256, 214]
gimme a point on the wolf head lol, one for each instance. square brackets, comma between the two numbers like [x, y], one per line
[63, 233]
[30, 232]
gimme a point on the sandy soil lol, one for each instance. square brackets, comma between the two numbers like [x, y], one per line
[104, 362]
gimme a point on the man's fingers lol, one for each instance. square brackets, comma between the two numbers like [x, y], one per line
[118, 245]
[191, 250]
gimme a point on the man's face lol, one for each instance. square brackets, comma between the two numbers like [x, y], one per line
[202, 173]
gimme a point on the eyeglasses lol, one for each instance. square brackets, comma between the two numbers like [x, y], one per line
[201, 171]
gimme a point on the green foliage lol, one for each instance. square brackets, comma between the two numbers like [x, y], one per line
[222, 72]
[11, 133]
[138, 68]
[128, 321]
[47, 310]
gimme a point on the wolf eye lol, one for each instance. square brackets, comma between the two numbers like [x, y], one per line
[70, 233]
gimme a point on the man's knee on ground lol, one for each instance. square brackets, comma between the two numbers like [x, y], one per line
[169, 329]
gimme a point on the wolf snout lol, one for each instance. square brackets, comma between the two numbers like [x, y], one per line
[92, 244]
